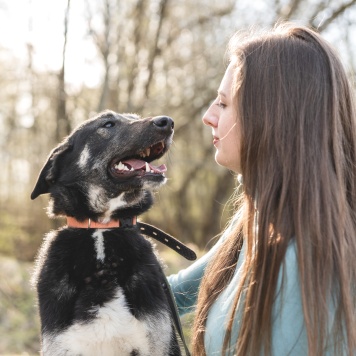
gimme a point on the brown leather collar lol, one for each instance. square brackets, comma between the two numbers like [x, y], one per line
[145, 229]
[89, 224]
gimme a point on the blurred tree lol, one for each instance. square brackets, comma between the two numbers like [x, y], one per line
[163, 55]
[63, 126]
[157, 57]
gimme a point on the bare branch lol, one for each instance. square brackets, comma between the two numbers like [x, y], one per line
[154, 49]
[335, 14]
[289, 10]
[321, 7]
[105, 48]
[218, 13]
[138, 13]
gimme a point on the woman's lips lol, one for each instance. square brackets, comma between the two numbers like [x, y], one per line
[215, 140]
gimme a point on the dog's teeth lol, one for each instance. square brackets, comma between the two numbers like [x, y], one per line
[147, 167]
[145, 153]
[121, 167]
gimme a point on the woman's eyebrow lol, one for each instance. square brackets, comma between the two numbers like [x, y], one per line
[221, 93]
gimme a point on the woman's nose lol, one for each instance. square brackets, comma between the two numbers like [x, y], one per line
[210, 117]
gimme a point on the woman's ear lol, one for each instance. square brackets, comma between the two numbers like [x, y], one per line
[50, 170]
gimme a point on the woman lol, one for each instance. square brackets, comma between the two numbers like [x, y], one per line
[282, 278]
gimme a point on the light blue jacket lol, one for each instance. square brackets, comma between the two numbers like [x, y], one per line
[288, 333]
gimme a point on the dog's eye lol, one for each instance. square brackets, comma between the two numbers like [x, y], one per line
[109, 124]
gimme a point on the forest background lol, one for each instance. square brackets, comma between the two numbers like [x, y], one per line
[62, 62]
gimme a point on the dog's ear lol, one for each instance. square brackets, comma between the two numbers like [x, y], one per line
[50, 171]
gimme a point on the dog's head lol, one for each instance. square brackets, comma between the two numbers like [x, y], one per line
[105, 166]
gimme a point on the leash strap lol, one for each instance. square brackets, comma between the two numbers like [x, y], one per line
[175, 314]
[167, 240]
[184, 251]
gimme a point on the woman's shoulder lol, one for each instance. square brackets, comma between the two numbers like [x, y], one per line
[289, 336]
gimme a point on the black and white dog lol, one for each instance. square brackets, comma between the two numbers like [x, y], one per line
[100, 288]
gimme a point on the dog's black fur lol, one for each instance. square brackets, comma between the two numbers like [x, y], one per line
[101, 292]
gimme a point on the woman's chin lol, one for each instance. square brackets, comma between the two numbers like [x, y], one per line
[229, 164]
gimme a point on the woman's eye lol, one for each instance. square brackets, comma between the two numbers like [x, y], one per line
[221, 105]
[108, 124]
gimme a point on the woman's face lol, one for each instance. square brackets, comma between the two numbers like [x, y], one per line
[222, 118]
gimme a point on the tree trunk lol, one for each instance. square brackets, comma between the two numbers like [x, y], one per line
[63, 126]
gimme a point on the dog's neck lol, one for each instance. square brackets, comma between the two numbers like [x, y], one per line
[89, 224]
[78, 209]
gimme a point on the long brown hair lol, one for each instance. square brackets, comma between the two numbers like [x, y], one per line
[298, 161]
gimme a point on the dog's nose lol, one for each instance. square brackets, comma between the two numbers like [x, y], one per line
[165, 123]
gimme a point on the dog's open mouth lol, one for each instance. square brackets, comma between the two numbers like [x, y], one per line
[139, 164]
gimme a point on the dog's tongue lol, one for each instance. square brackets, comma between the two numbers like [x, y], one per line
[137, 164]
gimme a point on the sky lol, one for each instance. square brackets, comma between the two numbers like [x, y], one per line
[41, 23]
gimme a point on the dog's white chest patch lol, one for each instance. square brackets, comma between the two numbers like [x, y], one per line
[114, 331]
[98, 237]
[116, 203]
[100, 202]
